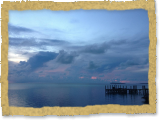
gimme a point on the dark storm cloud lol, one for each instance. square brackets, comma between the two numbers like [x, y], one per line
[140, 43]
[101, 48]
[128, 63]
[18, 68]
[66, 58]
[120, 42]
[96, 49]
[40, 58]
[17, 29]
[71, 47]
[54, 41]
[134, 46]
[107, 67]
[92, 65]
[36, 61]
[101, 75]
[22, 63]
[28, 42]
[25, 42]
[17, 41]
[112, 62]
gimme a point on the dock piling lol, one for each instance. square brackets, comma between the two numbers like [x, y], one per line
[124, 90]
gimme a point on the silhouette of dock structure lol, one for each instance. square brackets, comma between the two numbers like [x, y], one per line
[146, 98]
[112, 89]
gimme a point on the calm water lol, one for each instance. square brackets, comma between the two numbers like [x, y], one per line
[63, 95]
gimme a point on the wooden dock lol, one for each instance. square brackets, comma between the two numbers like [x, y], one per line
[112, 89]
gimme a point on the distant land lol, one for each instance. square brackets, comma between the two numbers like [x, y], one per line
[117, 83]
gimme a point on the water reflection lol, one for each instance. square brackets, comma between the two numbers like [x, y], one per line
[40, 95]
[125, 99]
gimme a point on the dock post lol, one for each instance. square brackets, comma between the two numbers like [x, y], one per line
[143, 89]
[136, 89]
[126, 91]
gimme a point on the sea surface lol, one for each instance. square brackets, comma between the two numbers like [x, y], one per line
[67, 95]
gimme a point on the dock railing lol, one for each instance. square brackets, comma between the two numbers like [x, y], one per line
[111, 89]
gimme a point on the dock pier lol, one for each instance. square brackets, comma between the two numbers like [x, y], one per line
[112, 89]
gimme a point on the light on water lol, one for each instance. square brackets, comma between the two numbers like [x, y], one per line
[63, 95]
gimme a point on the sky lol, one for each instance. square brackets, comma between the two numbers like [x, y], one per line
[78, 46]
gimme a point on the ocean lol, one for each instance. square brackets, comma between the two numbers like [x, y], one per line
[38, 95]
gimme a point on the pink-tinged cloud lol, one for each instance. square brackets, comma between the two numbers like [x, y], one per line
[81, 77]
[60, 69]
[42, 75]
[93, 77]
[125, 81]
[115, 80]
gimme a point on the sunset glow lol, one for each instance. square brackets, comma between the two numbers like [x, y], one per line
[78, 46]
[81, 77]
[124, 81]
[93, 77]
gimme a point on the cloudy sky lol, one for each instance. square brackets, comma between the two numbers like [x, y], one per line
[78, 46]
